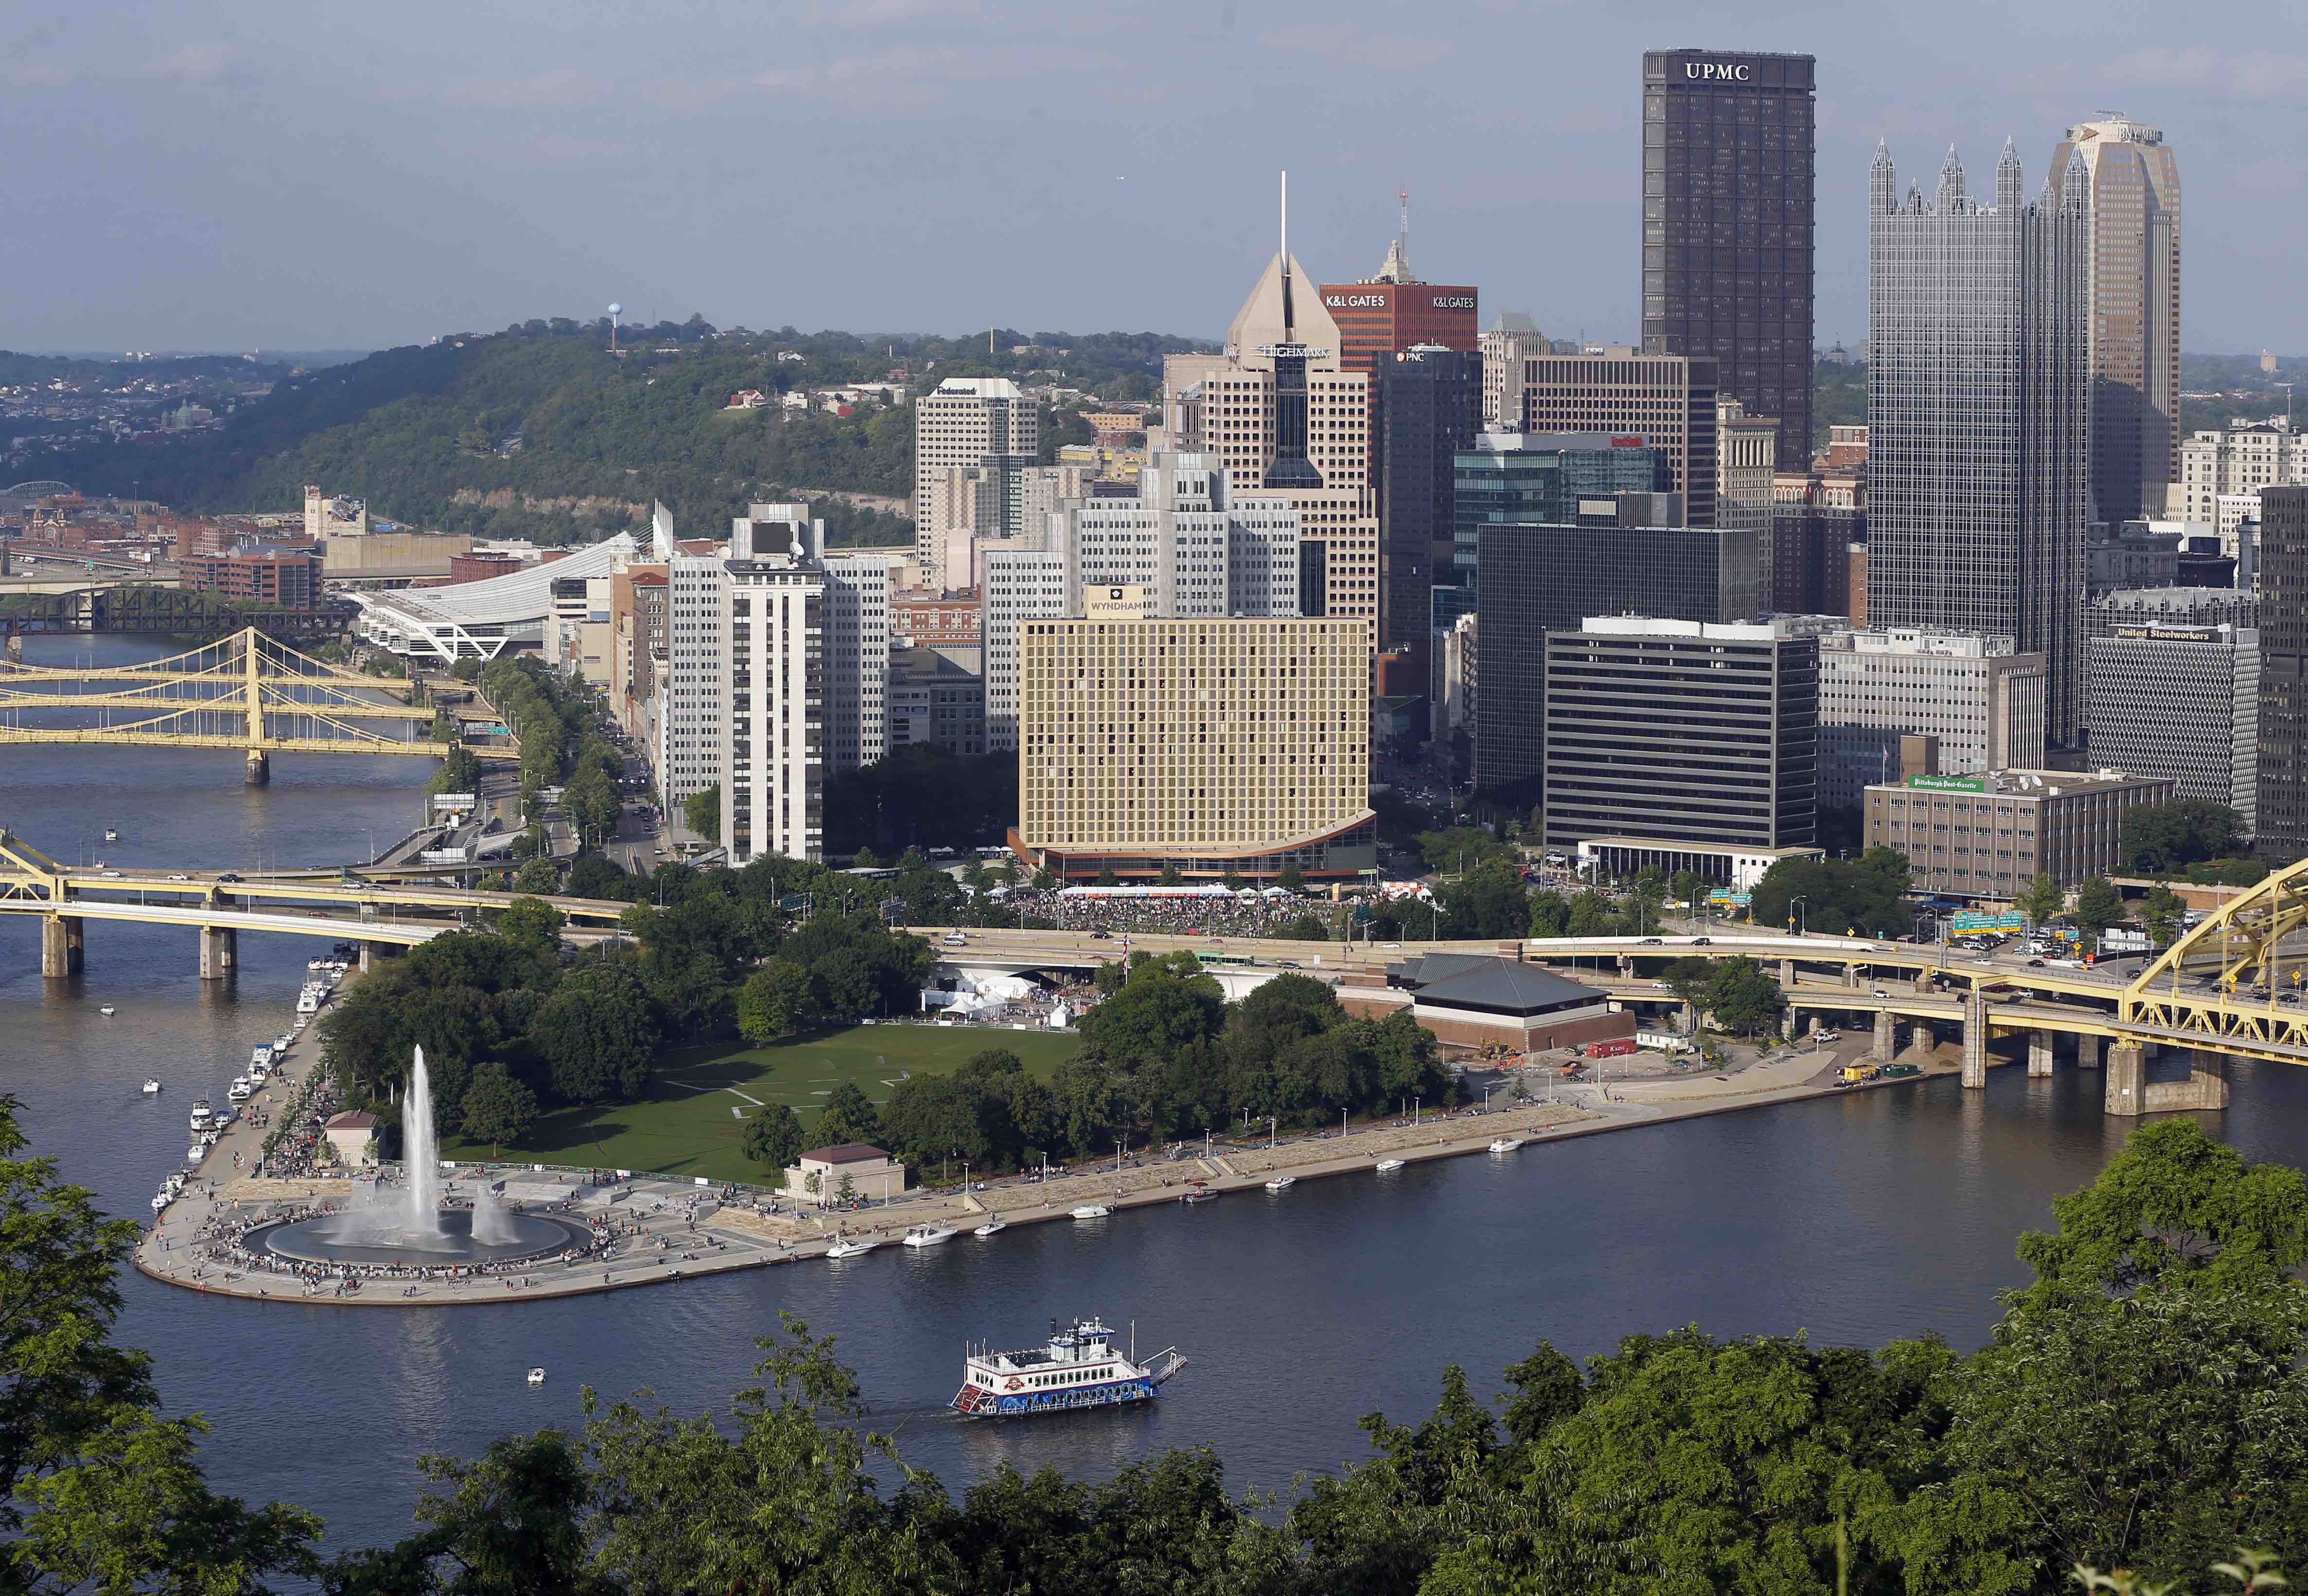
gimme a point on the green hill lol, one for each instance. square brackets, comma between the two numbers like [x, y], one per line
[540, 432]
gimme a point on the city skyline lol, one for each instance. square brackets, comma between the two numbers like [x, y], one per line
[510, 173]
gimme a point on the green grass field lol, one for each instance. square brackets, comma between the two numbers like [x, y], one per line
[686, 1126]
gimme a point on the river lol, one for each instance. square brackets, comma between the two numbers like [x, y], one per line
[1858, 1218]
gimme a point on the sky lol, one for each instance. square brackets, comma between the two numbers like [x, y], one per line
[314, 174]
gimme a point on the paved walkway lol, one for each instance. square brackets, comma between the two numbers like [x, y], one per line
[658, 1240]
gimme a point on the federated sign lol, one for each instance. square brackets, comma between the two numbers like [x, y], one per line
[1973, 920]
[1947, 783]
[453, 801]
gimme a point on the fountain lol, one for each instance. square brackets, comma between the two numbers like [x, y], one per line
[379, 1227]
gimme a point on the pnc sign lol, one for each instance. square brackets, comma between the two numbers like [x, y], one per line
[1725, 71]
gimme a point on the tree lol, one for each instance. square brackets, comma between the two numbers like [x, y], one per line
[846, 1116]
[1689, 979]
[2172, 1206]
[538, 876]
[702, 811]
[531, 922]
[96, 1490]
[1305, 928]
[1688, 887]
[775, 999]
[2040, 899]
[774, 1137]
[1170, 876]
[1866, 895]
[2099, 905]
[598, 1035]
[2166, 837]
[2161, 911]
[497, 1109]
[1290, 877]
[1744, 998]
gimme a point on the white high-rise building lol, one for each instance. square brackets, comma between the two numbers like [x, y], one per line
[1981, 700]
[2244, 458]
[1186, 547]
[979, 422]
[696, 677]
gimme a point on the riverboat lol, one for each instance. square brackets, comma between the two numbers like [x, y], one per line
[1078, 1368]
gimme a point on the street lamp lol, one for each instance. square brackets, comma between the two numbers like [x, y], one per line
[1800, 906]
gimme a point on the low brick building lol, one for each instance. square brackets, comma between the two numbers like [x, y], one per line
[290, 578]
[1473, 1001]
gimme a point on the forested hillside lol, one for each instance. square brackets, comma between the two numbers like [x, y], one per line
[540, 432]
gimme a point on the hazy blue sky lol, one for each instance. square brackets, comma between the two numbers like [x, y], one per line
[320, 174]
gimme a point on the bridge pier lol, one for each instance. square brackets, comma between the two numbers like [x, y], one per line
[1919, 1035]
[220, 951]
[1974, 1044]
[1886, 1041]
[371, 953]
[2127, 1079]
[2088, 1051]
[14, 647]
[259, 773]
[2206, 1087]
[2040, 1053]
[63, 946]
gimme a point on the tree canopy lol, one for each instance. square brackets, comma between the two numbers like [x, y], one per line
[1864, 896]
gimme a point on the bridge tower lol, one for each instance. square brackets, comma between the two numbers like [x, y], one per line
[259, 769]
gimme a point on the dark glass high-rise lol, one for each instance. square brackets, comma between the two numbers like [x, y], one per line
[1727, 225]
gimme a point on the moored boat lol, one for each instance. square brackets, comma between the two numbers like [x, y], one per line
[1092, 1210]
[1506, 1144]
[1198, 1192]
[1078, 1368]
[928, 1235]
[202, 1115]
[850, 1249]
[991, 1227]
[1282, 1183]
[1388, 1166]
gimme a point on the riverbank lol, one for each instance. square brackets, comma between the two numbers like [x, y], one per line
[667, 1229]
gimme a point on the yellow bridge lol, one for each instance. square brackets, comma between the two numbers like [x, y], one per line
[247, 692]
[2232, 987]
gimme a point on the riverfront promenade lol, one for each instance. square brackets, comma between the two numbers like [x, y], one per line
[666, 1230]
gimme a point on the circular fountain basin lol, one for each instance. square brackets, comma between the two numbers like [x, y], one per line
[356, 1237]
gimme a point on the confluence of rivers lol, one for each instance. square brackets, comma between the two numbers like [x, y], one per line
[1857, 1218]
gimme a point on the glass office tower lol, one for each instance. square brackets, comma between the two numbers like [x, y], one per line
[1728, 226]
[1978, 454]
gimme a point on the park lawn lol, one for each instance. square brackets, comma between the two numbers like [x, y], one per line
[686, 1125]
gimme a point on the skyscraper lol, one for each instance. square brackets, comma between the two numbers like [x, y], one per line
[2135, 313]
[1728, 226]
[1427, 400]
[1279, 412]
[2283, 784]
[970, 421]
[1978, 471]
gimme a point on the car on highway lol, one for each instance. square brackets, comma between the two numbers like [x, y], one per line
[1290, 964]
[1101, 936]
[2035, 964]
[1652, 942]
[111, 875]
[178, 876]
[953, 939]
[1702, 942]
[230, 875]
[1878, 992]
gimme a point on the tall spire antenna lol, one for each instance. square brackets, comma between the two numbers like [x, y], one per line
[1289, 333]
[1404, 196]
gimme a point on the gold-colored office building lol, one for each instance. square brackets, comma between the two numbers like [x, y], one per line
[1212, 746]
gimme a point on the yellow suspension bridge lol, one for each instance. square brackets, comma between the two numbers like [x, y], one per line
[247, 692]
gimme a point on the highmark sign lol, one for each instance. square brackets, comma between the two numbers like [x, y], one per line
[1947, 783]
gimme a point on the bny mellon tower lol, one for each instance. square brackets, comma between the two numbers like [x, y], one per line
[1978, 409]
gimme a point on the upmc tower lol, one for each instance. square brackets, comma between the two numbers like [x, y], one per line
[1727, 227]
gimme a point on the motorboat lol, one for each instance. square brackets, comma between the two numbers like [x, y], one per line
[241, 1091]
[203, 1114]
[315, 966]
[281, 1043]
[108, 1009]
[991, 1227]
[1388, 1166]
[537, 1374]
[846, 1248]
[1506, 1144]
[152, 1086]
[929, 1235]
[308, 1001]
[1199, 1194]
[1092, 1210]
[112, 834]
[193, 1153]
[1078, 1368]
[1282, 1183]
[263, 1056]
[162, 1198]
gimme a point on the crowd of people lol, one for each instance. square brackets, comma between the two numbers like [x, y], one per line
[229, 1240]
[1212, 915]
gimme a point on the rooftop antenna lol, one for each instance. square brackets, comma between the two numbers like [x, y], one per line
[1289, 335]
[1403, 195]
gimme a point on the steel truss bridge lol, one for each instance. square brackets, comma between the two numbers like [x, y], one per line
[247, 692]
[87, 608]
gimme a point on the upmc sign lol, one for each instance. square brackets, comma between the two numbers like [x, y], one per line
[1720, 71]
